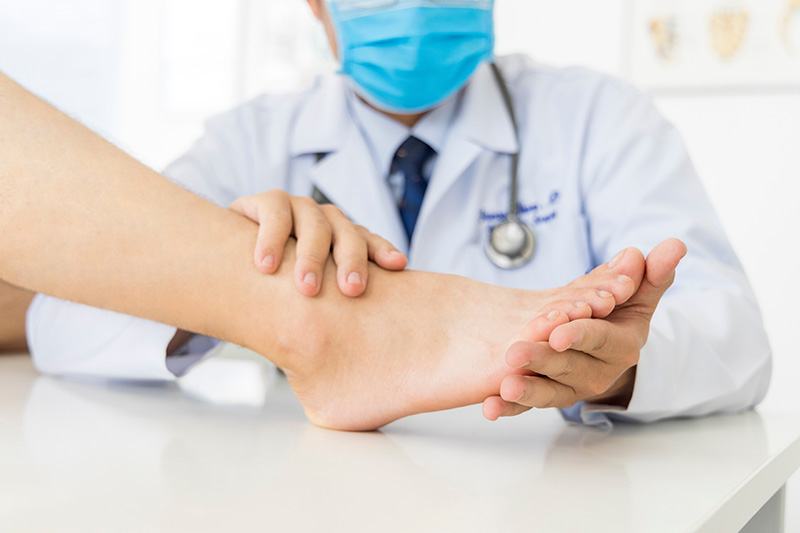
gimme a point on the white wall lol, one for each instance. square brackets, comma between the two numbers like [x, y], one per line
[68, 55]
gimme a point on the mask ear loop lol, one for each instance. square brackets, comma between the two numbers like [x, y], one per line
[334, 18]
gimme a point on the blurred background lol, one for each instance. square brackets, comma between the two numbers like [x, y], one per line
[147, 73]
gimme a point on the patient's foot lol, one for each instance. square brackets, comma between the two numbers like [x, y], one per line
[423, 342]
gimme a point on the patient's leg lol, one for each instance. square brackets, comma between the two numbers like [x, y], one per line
[83, 221]
[14, 304]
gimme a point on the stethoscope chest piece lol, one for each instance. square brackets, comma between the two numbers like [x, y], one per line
[511, 244]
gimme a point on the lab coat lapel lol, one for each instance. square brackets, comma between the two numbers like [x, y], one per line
[347, 175]
[482, 123]
[459, 154]
[349, 179]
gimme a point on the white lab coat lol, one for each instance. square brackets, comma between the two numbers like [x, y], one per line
[600, 170]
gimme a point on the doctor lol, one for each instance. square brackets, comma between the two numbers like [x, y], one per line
[414, 139]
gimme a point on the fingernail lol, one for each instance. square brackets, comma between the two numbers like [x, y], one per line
[395, 252]
[268, 262]
[614, 262]
[604, 294]
[552, 315]
[354, 278]
[310, 279]
[624, 279]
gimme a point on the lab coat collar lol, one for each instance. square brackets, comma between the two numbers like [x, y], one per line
[319, 123]
[383, 134]
[485, 119]
[349, 178]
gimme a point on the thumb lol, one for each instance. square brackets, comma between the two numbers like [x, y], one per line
[660, 271]
[246, 207]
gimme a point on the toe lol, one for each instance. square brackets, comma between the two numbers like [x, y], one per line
[495, 407]
[621, 276]
[540, 328]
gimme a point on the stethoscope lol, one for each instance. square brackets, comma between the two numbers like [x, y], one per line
[511, 243]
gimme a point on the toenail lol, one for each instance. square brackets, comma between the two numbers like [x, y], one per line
[354, 278]
[580, 304]
[268, 262]
[310, 279]
[624, 279]
[614, 262]
[604, 294]
[552, 315]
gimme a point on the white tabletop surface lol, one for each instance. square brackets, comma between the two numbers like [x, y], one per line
[228, 449]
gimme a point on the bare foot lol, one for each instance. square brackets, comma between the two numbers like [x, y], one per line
[423, 342]
[563, 363]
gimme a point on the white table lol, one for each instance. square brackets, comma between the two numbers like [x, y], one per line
[229, 449]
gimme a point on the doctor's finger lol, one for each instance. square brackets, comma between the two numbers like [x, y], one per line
[314, 234]
[383, 253]
[537, 391]
[379, 250]
[272, 211]
[618, 344]
[496, 407]
[586, 375]
[350, 255]
[349, 252]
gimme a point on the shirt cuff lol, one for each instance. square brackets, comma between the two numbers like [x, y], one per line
[69, 339]
[190, 354]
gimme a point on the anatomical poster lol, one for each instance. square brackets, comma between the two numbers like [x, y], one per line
[695, 44]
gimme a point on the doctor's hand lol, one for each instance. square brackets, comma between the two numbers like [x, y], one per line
[317, 228]
[588, 359]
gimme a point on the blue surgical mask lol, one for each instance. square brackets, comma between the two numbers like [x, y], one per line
[409, 56]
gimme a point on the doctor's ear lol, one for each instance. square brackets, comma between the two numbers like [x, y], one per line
[321, 12]
[316, 8]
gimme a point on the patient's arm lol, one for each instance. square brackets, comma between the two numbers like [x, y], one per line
[13, 306]
[83, 221]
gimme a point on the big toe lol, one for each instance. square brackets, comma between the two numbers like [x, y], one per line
[621, 276]
[540, 328]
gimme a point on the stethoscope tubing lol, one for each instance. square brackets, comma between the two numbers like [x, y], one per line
[513, 208]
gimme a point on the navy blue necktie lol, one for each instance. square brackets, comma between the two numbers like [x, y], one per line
[409, 161]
